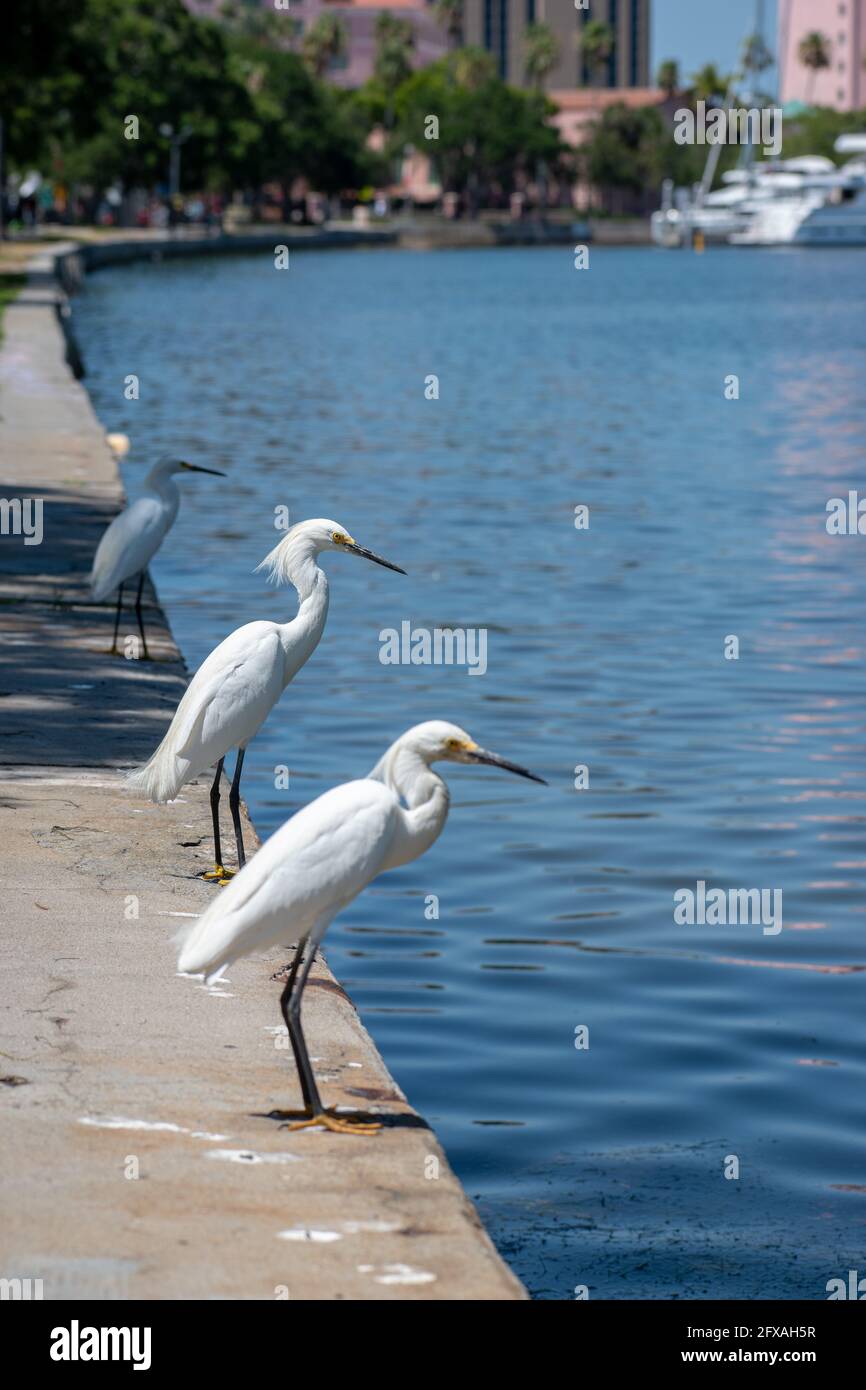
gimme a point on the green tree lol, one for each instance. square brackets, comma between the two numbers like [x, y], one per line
[395, 44]
[540, 53]
[756, 56]
[491, 135]
[596, 41]
[304, 128]
[473, 67]
[392, 63]
[257, 22]
[323, 43]
[631, 150]
[709, 85]
[668, 76]
[449, 14]
[156, 61]
[76, 70]
[816, 131]
[814, 53]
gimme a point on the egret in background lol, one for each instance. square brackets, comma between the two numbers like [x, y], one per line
[317, 863]
[134, 537]
[234, 690]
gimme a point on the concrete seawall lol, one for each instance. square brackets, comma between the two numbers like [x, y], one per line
[140, 1162]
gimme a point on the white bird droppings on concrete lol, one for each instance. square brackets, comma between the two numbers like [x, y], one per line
[248, 1156]
[162, 1126]
[397, 1274]
[317, 1237]
[114, 1122]
[374, 1228]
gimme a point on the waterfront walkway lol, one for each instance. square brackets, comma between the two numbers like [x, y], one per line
[138, 1159]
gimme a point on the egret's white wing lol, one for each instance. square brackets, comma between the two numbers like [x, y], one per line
[227, 700]
[230, 694]
[314, 864]
[129, 544]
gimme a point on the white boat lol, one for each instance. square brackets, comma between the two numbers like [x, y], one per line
[806, 201]
[715, 216]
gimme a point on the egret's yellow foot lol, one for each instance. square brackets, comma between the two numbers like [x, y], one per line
[329, 1119]
[219, 875]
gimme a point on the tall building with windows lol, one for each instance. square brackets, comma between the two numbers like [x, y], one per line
[358, 18]
[499, 26]
[842, 25]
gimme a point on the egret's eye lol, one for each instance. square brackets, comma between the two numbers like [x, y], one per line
[340, 538]
[454, 744]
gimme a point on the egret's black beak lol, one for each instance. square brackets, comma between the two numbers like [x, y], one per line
[370, 555]
[197, 468]
[481, 755]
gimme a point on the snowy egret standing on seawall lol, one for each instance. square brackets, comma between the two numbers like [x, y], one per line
[237, 686]
[318, 862]
[134, 537]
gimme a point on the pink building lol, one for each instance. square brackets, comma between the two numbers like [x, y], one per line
[359, 20]
[843, 24]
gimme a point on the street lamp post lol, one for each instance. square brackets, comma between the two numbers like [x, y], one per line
[176, 139]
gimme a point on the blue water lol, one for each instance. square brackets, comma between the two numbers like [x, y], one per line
[603, 1166]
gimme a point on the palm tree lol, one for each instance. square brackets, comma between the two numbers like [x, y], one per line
[709, 85]
[814, 53]
[473, 67]
[449, 14]
[323, 43]
[263, 25]
[395, 43]
[756, 55]
[540, 53]
[392, 64]
[596, 41]
[668, 76]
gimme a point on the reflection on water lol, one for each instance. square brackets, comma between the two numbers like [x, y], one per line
[602, 1166]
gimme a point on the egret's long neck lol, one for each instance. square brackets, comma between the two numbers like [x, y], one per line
[426, 796]
[300, 636]
[162, 483]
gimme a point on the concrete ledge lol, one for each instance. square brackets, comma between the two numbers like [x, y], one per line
[140, 1161]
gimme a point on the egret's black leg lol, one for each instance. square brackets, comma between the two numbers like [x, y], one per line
[284, 1010]
[314, 1111]
[138, 616]
[234, 804]
[219, 872]
[312, 1099]
[117, 618]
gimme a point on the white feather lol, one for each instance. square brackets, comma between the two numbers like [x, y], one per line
[318, 861]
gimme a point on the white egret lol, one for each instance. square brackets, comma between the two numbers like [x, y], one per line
[318, 862]
[237, 686]
[134, 537]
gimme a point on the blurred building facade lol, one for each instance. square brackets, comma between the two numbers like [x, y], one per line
[500, 25]
[842, 23]
[497, 25]
[358, 18]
